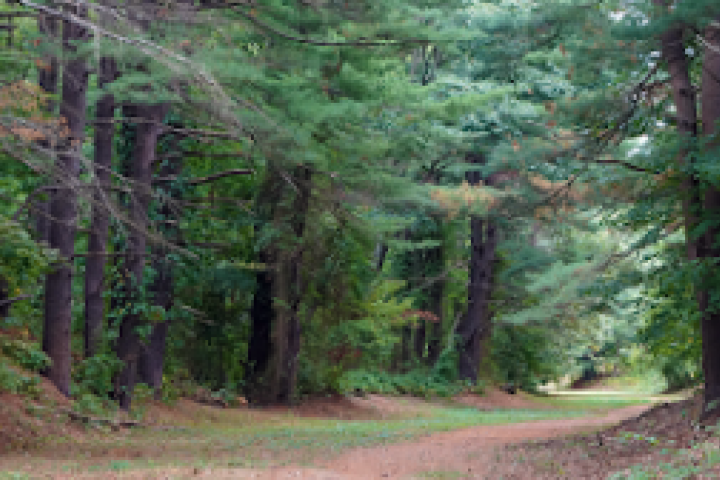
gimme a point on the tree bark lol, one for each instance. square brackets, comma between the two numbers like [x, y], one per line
[128, 345]
[475, 323]
[99, 225]
[683, 91]
[48, 82]
[271, 374]
[63, 211]
[152, 359]
[710, 101]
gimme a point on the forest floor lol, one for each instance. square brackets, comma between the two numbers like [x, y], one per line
[492, 436]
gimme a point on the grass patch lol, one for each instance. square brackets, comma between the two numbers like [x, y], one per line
[593, 403]
[442, 474]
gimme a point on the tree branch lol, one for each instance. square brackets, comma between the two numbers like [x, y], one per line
[628, 165]
[309, 41]
[9, 301]
[209, 178]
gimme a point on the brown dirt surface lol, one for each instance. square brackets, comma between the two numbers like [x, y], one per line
[648, 439]
[494, 399]
[531, 450]
[26, 423]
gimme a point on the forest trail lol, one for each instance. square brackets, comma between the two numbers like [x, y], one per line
[465, 453]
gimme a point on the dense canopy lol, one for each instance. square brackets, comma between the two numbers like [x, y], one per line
[280, 197]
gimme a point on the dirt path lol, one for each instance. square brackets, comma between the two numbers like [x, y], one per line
[463, 451]
[466, 453]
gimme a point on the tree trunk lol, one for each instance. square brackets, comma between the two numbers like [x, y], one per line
[673, 52]
[405, 348]
[437, 291]
[97, 243]
[710, 249]
[63, 211]
[262, 318]
[420, 339]
[152, 358]
[271, 374]
[475, 323]
[48, 82]
[128, 345]
[4, 296]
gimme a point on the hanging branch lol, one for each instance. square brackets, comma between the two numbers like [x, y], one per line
[253, 19]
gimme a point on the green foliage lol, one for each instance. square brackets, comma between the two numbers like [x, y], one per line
[438, 381]
[358, 334]
[94, 375]
[13, 381]
[22, 264]
[522, 357]
[27, 355]
[421, 383]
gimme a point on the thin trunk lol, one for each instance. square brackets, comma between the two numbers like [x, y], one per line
[97, 243]
[709, 244]
[63, 211]
[128, 345]
[380, 253]
[405, 348]
[420, 339]
[437, 291]
[152, 359]
[48, 82]
[4, 296]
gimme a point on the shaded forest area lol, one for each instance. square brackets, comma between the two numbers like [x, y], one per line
[278, 198]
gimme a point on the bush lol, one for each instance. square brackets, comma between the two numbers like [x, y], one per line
[521, 357]
[439, 381]
[94, 375]
[27, 355]
[12, 381]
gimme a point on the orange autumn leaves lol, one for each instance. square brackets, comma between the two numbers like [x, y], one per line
[560, 196]
[465, 196]
[23, 115]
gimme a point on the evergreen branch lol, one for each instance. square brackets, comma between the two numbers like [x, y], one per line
[320, 43]
[161, 54]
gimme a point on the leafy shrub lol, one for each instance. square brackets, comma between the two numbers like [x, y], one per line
[521, 356]
[27, 355]
[439, 381]
[12, 381]
[418, 382]
[94, 375]
[90, 404]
